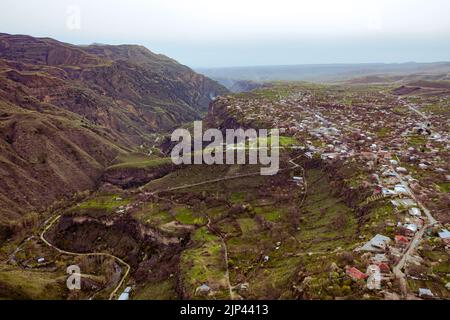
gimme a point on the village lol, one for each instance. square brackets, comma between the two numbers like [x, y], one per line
[358, 209]
[402, 155]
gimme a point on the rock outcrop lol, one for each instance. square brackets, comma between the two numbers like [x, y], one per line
[66, 112]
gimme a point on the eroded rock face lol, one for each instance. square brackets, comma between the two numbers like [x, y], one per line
[66, 112]
[45, 158]
[122, 236]
[135, 177]
[126, 88]
[220, 117]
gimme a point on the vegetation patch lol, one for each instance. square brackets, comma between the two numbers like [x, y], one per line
[30, 285]
[164, 290]
[203, 264]
[142, 164]
[104, 204]
[186, 216]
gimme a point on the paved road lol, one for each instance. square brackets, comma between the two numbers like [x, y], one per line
[419, 235]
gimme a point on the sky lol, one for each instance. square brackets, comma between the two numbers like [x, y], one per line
[224, 33]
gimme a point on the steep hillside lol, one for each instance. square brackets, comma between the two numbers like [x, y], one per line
[66, 112]
[47, 156]
[127, 88]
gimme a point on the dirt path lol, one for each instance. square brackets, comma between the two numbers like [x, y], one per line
[225, 179]
[414, 241]
[52, 221]
[128, 268]
[427, 212]
[225, 249]
[397, 270]
[219, 234]
[12, 257]
[418, 112]
[305, 195]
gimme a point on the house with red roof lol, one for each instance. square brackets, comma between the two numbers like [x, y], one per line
[355, 274]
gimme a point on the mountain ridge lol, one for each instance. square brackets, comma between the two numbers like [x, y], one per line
[325, 73]
[66, 112]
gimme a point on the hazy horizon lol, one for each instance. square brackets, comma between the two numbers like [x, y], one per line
[323, 64]
[202, 34]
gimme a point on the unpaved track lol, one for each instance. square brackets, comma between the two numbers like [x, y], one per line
[217, 233]
[414, 241]
[128, 268]
[397, 270]
[418, 112]
[52, 221]
[225, 249]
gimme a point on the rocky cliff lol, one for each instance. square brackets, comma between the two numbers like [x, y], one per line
[66, 112]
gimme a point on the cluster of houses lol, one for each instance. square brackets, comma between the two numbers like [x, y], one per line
[384, 141]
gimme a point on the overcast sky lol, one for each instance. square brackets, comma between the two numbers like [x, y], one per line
[216, 33]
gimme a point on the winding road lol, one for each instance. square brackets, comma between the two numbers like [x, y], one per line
[128, 268]
[53, 220]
